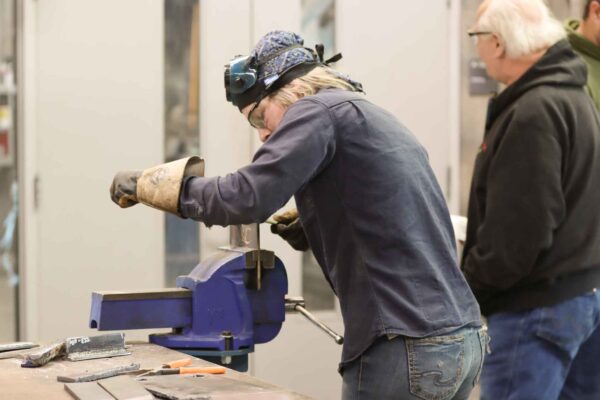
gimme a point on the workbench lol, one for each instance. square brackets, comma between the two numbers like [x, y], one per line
[17, 383]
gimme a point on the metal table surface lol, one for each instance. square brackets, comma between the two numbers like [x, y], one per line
[18, 383]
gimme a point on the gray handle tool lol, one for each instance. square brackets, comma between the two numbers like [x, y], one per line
[297, 304]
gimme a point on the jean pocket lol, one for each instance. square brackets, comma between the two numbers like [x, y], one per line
[565, 326]
[435, 366]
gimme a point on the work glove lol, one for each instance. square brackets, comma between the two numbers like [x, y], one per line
[288, 226]
[158, 187]
[123, 190]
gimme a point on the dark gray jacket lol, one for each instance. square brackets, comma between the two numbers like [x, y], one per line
[533, 237]
[372, 210]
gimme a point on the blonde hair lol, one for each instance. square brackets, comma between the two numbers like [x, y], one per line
[308, 85]
[524, 26]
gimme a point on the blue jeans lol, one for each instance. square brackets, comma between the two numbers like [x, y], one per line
[435, 368]
[546, 353]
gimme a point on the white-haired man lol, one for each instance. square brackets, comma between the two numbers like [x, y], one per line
[532, 254]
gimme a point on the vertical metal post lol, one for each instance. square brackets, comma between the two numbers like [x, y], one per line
[248, 237]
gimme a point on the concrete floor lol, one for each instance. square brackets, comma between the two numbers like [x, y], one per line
[7, 311]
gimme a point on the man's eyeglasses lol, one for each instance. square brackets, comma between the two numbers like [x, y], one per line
[474, 35]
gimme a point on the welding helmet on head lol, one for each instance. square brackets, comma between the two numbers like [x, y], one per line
[278, 58]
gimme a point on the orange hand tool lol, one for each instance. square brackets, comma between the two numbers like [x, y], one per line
[178, 363]
[184, 371]
[202, 370]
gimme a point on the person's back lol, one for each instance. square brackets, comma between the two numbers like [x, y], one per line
[377, 222]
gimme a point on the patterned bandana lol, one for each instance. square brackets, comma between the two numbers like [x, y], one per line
[279, 51]
[278, 58]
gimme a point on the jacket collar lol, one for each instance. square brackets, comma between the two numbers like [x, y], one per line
[559, 66]
[579, 42]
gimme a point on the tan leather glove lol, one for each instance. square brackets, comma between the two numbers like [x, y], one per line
[288, 226]
[157, 187]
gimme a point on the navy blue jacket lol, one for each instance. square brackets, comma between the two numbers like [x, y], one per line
[372, 210]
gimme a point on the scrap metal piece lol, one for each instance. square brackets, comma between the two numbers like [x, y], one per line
[175, 395]
[94, 376]
[87, 391]
[202, 387]
[13, 354]
[125, 388]
[44, 355]
[17, 353]
[91, 347]
[17, 346]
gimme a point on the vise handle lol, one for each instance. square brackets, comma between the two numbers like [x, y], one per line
[293, 304]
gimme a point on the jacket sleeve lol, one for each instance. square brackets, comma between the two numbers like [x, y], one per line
[298, 149]
[524, 201]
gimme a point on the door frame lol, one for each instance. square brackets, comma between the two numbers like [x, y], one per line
[27, 167]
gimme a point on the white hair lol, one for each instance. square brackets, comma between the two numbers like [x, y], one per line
[524, 26]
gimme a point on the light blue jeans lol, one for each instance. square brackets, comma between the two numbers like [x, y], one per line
[435, 368]
[546, 353]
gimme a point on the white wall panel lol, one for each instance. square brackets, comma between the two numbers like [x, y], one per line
[225, 137]
[399, 51]
[98, 104]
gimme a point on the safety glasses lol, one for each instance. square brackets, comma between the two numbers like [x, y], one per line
[256, 116]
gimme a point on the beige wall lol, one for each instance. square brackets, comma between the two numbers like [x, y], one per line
[93, 102]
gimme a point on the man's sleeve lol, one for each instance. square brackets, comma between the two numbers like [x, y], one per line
[524, 203]
[300, 148]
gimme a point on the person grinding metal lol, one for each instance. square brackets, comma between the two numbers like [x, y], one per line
[369, 207]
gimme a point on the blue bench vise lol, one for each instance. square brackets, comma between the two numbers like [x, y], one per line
[227, 304]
